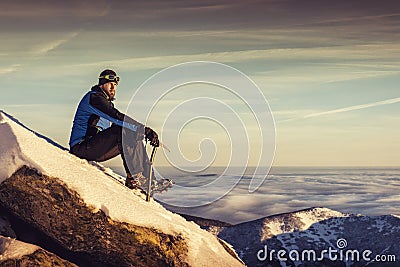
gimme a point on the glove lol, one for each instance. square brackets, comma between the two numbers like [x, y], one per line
[152, 136]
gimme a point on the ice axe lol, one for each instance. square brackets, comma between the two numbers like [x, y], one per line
[153, 154]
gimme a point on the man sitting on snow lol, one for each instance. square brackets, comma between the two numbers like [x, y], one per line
[94, 138]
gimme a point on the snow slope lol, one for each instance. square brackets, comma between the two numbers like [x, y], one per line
[20, 146]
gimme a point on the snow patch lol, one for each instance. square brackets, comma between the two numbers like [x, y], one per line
[304, 219]
[275, 228]
[13, 249]
[11, 155]
[312, 216]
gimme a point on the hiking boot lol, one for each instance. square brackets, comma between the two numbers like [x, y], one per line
[135, 181]
[131, 183]
[162, 184]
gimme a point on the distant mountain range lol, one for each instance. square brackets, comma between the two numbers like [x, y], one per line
[314, 237]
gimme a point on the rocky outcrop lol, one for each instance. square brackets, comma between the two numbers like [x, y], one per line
[81, 213]
[84, 235]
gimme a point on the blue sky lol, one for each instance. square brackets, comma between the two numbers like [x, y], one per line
[329, 69]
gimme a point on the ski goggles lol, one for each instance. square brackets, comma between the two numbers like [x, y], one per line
[110, 77]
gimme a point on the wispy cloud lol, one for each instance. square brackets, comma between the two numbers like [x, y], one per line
[292, 77]
[337, 54]
[54, 44]
[45, 9]
[38, 51]
[10, 69]
[357, 107]
[347, 109]
[361, 18]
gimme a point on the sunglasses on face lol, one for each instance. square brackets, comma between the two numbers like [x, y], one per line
[111, 77]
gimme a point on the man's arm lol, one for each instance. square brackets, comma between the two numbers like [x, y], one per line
[109, 112]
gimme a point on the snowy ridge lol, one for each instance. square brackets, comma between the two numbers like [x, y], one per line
[311, 216]
[302, 220]
[19, 146]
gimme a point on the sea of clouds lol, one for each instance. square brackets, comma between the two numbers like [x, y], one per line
[368, 191]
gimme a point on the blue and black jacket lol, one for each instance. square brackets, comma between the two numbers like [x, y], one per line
[95, 113]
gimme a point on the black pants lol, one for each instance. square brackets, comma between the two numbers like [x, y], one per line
[108, 144]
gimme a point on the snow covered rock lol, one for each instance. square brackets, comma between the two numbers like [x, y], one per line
[89, 216]
[316, 229]
[17, 253]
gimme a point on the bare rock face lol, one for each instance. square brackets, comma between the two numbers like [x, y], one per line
[5, 227]
[80, 233]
